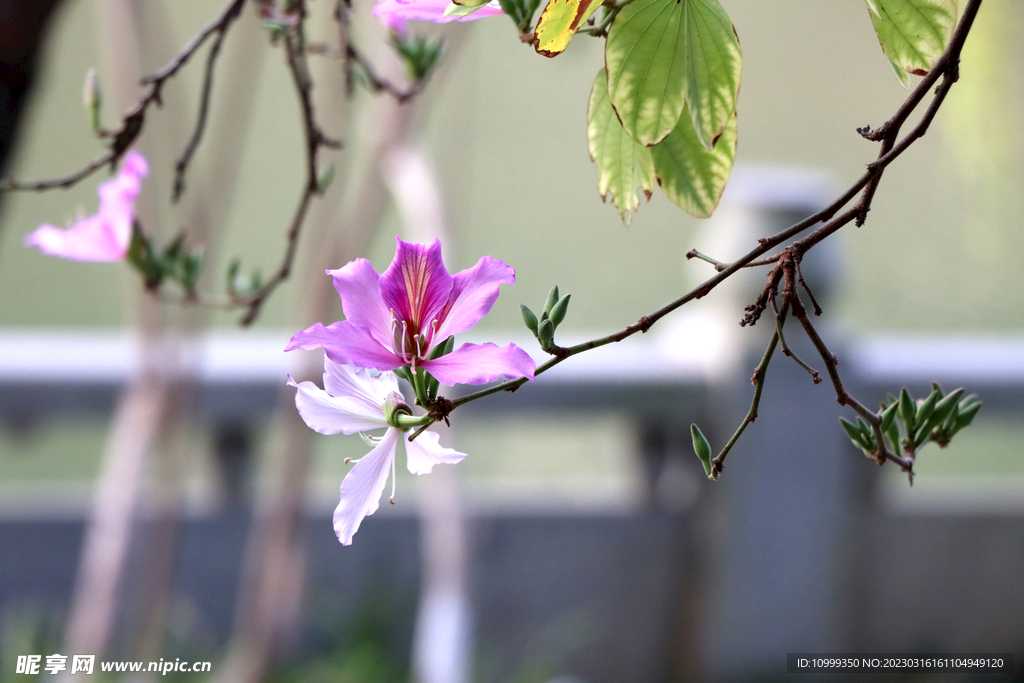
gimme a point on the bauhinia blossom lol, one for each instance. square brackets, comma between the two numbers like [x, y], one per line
[395, 319]
[394, 13]
[107, 235]
[354, 401]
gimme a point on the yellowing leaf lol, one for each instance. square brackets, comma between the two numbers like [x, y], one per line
[690, 175]
[623, 165]
[914, 33]
[558, 24]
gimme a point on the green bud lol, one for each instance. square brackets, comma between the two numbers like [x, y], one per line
[924, 411]
[559, 310]
[893, 432]
[546, 334]
[702, 448]
[888, 416]
[907, 410]
[965, 416]
[942, 412]
[529, 318]
[141, 257]
[552, 300]
[853, 431]
[92, 98]
[867, 432]
[326, 177]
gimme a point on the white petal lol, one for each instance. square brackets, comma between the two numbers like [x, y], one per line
[332, 414]
[424, 452]
[358, 384]
[362, 487]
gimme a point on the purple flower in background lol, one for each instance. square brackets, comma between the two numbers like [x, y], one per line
[396, 318]
[394, 13]
[105, 236]
[355, 401]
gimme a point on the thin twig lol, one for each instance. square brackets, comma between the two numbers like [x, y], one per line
[204, 102]
[315, 139]
[843, 396]
[379, 83]
[132, 123]
[758, 381]
[780, 321]
[720, 266]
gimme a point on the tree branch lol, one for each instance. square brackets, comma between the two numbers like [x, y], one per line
[947, 66]
[315, 139]
[132, 123]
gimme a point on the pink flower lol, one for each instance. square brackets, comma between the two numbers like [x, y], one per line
[105, 236]
[355, 401]
[396, 319]
[394, 13]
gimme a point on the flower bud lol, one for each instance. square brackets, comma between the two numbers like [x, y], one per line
[92, 98]
[529, 318]
[701, 447]
[907, 410]
[559, 310]
[546, 334]
[889, 416]
[924, 411]
[552, 300]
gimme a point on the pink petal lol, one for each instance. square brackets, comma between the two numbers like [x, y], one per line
[481, 363]
[328, 414]
[362, 487]
[424, 452]
[347, 344]
[358, 284]
[416, 285]
[105, 236]
[473, 294]
[135, 164]
[90, 239]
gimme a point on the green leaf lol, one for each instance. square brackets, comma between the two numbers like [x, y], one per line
[690, 175]
[913, 33]
[623, 165]
[662, 55]
[901, 75]
[558, 24]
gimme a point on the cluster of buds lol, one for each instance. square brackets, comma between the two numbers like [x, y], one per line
[910, 424]
[544, 328]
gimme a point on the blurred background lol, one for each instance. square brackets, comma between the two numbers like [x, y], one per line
[160, 499]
